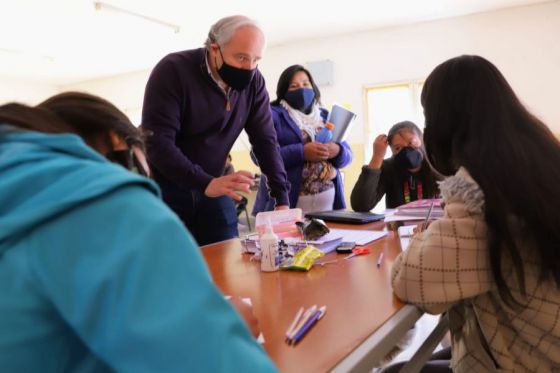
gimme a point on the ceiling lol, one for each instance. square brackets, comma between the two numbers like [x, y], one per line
[64, 41]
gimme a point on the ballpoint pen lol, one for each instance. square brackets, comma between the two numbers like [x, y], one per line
[379, 260]
[294, 323]
[309, 324]
[306, 316]
[425, 224]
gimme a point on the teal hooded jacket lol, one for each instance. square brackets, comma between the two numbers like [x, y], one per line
[97, 274]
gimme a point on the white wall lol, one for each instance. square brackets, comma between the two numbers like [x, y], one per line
[522, 42]
[126, 91]
[24, 92]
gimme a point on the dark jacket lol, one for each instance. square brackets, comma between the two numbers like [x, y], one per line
[291, 149]
[372, 185]
[195, 124]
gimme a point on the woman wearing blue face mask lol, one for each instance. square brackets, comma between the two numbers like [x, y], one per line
[403, 178]
[312, 167]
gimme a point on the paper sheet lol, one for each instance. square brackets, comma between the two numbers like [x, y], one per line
[360, 237]
[405, 232]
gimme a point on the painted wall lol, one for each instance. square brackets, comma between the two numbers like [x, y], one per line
[126, 91]
[25, 92]
[522, 42]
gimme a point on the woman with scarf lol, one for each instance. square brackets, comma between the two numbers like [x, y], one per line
[312, 167]
[403, 178]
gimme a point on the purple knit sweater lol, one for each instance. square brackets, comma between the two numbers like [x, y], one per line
[195, 124]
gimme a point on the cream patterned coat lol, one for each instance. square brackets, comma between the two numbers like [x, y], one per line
[447, 268]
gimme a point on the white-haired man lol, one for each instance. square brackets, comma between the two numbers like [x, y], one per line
[196, 103]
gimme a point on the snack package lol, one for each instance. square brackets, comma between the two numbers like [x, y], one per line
[303, 260]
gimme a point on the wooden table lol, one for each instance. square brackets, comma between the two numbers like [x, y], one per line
[357, 294]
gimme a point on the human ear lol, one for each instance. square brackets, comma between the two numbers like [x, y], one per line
[117, 142]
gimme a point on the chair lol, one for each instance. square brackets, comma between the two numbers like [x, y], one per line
[424, 352]
[241, 206]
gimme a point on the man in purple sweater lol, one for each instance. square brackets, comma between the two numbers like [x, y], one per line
[196, 104]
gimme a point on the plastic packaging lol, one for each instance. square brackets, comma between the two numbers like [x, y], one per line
[304, 259]
[283, 222]
[326, 134]
[270, 260]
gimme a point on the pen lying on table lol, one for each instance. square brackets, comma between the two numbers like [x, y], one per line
[303, 325]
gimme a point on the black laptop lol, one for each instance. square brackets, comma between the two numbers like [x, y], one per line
[345, 216]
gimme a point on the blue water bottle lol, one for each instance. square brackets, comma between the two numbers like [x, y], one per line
[325, 135]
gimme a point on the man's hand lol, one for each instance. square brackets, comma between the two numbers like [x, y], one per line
[228, 185]
[246, 312]
[315, 151]
[281, 207]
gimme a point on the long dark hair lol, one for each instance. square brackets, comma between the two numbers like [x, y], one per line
[88, 116]
[285, 80]
[93, 117]
[33, 119]
[475, 120]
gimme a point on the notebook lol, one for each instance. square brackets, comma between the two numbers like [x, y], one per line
[345, 216]
[421, 208]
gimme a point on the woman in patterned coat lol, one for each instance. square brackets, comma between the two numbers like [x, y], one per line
[493, 261]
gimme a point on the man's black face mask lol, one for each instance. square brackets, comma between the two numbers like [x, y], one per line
[236, 78]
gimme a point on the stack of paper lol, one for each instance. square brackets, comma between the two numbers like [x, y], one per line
[360, 237]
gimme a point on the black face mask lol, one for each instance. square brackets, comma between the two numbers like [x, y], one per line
[408, 158]
[127, 159]
[236, 78]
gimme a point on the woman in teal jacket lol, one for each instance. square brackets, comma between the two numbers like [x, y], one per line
[96, 273]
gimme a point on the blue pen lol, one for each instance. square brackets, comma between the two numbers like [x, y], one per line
[309, 324]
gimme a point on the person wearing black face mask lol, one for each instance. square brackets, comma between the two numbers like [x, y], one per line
[196, 104]
[98, 239]
[312, 167]
[103, 127]
[403, 178]
[129, 156]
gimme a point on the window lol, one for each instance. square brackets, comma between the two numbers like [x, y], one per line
[387, 105]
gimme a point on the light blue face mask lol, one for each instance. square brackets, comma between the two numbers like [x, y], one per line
[300, 98]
